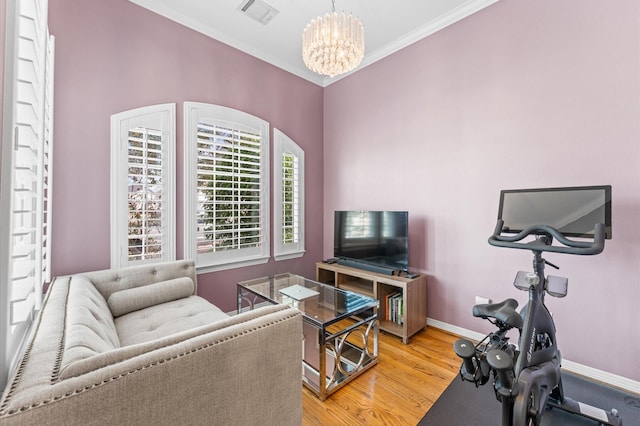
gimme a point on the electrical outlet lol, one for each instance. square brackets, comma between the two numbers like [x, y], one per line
[482, 300]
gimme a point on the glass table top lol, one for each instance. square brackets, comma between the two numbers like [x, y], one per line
[320, 303]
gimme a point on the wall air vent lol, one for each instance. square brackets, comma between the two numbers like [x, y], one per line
[258, 11]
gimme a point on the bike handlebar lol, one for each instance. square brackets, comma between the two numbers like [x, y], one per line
[569, 246]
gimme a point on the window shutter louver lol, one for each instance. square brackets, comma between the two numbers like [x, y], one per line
[229, 186]
[47, 162]
[145, 201]
[288, 198]
[290, 188]
[143, 185]
[26, 171]
[226, 192]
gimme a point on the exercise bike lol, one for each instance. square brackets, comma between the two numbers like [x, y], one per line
[526, 378]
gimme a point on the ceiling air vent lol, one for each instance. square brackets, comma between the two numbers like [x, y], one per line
[258, 11]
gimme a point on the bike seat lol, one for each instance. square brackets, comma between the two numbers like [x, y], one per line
[504, 311]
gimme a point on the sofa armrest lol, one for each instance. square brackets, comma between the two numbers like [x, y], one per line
[248, 372]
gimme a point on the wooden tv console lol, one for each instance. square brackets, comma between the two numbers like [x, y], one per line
[379, 286]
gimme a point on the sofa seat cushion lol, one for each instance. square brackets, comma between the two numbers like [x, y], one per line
[165, 319]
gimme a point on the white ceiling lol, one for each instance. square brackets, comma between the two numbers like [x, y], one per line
[389, 25]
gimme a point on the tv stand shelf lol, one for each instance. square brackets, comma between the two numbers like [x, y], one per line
[412, 292]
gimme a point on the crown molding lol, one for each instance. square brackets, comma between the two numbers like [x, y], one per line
[443, 21]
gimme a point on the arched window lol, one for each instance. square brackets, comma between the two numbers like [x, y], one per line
[226, 187]
[288, 197]
[143, 185]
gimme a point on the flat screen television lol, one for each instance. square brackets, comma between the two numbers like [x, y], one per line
[379, 238]
[573, 211]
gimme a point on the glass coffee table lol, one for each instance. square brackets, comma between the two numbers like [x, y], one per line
[340, 328]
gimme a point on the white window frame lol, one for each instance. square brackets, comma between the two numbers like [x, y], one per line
[222, 117]
[283, 145]
[152, 119]
[25, 174]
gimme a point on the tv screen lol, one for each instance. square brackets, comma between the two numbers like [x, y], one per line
[573, 211]
[375, 237]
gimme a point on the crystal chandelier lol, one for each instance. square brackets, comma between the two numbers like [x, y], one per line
[333, 44]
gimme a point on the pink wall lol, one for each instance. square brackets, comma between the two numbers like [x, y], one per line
[112, 56]
[460, 115]
[520, 95]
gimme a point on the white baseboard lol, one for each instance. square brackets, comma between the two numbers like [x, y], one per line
[570, 366]
[454, 329]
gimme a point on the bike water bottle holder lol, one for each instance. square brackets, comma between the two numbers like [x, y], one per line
[470, 370]
[475, 367]
[502, 363]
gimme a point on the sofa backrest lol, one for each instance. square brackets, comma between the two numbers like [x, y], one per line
[89, 324]
[112, 280]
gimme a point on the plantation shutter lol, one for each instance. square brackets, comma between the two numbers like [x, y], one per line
[47, 162]
[143, 186]
[25, 195]
[290, 193]
[227, 186]
[288, 197]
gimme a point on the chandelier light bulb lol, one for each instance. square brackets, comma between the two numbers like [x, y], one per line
[333, 44]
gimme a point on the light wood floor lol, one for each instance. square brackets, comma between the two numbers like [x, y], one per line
[398, 391]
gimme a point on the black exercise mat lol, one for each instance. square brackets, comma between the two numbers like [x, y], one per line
[462, 404]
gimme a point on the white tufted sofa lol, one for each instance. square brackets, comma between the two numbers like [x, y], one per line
[138, 346]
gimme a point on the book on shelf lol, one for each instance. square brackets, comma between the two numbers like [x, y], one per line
[394, 308]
